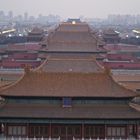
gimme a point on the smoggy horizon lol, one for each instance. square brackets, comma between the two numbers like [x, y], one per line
[73, 8]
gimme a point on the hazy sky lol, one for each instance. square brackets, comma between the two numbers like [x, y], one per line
[72, 8]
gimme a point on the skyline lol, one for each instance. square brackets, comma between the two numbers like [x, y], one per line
[74, 9]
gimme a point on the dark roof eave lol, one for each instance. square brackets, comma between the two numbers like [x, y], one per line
[71, 118]
[62, 52]
[76, 97]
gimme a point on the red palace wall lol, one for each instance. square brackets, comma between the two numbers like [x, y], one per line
[122, 65]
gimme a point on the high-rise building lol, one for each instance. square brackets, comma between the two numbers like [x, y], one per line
[25, 16]
[10, 15]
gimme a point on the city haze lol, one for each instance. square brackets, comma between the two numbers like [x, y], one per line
[72, 8]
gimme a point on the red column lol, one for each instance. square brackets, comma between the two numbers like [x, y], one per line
[50, 130]
[105, 135]
[82, 130]
[27, 130]
[0, 128]
[5, 130]
[127, 131]
[138, 131]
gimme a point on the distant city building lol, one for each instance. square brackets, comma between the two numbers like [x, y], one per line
[26, 16]
[10, 15]
[124, 19]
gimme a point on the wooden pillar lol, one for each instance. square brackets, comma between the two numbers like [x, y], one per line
[27, 130]
[83, 131]
[5, 129]
[105, 132]
[0, 128]
[50, 130]
[138, 131]
[127, 131]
